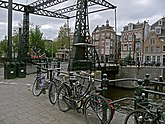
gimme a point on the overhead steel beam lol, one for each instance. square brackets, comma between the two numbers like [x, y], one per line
[15, 6]
[104, 3]
[43, 4]
[71, 8]
[30, 9]
[50, 14]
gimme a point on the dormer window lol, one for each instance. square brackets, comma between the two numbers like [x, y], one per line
[158, 30]
[160, 22]
[130, 27]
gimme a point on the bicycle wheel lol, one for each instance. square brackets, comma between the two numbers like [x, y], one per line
[52, 92]
[139, 116]
[96, 110]
[157, 120]
[37, 86]
[64, 98]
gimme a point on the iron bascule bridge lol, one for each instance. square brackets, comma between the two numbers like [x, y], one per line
[83, 55]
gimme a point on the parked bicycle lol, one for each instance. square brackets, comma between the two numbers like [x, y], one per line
[74, 95]
[153, 114]
[51, 83]
[146, 110]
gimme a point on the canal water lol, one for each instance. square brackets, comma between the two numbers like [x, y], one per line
[115, 92]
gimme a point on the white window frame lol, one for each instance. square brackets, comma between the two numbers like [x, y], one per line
[158, 30]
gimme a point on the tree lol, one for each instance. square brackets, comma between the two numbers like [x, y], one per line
[3, 47]
[36, 37]
[63, 40]
[129, 59]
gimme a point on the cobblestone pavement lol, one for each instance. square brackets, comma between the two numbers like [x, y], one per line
[19, 106]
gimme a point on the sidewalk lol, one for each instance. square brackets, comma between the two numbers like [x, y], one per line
[19, 106]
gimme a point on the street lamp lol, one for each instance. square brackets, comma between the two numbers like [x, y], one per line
[52, 49]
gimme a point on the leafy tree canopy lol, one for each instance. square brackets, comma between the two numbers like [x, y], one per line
[63, 40]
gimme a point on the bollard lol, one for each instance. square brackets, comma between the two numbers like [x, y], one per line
[138, 93]
[104, 85]
[155, 87]
[160, 86]
[146, 83]
[146, 80]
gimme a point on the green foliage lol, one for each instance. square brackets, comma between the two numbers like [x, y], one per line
[35, 38]
[129, 60]
[63, 40]
[3, 47]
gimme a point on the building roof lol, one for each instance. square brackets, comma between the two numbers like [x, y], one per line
[103, 27]
[162, 26]
[156, 23]
[138, 25]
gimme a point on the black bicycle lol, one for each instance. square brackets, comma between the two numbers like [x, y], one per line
[43, 83]
[74, 95]
[152, 114]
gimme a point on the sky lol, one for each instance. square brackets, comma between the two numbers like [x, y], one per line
[128, 11]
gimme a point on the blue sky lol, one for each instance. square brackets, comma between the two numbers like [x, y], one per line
[128, 11]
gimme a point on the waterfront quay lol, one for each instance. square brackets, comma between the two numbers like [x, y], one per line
[19, 106]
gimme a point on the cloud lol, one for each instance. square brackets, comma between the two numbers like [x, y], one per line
[128, 11]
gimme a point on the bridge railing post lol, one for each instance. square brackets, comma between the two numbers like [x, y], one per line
[155, 87]
[104, 85]
[161, 85]
[146, 84]
[58, 66]
[138, 93]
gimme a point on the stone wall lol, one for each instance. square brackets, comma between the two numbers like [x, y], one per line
[133, 72]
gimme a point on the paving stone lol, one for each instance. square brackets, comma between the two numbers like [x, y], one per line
[23, 115]
[2, 117]
[19, 106]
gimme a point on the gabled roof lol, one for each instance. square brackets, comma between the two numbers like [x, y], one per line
[156, 24]
[138, 25]
[103, 27]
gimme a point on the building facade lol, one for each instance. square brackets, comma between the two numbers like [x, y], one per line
[132, 40]
[104, 40]
[154, 45]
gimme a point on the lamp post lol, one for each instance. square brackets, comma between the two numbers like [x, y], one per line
[52, 49]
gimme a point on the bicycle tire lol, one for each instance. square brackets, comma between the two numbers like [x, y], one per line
[63, 98]
[37, 87]
[139, 116]
[93, 110]
[157, 120]
[52, 93]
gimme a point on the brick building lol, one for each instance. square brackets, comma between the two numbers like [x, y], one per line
[132, 39]
[154, 46]
[104, 40]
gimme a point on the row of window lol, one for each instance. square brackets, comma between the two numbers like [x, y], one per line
[152, 49]
[106, 35]
[130, 37]
[108, 44]
[152, 58]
